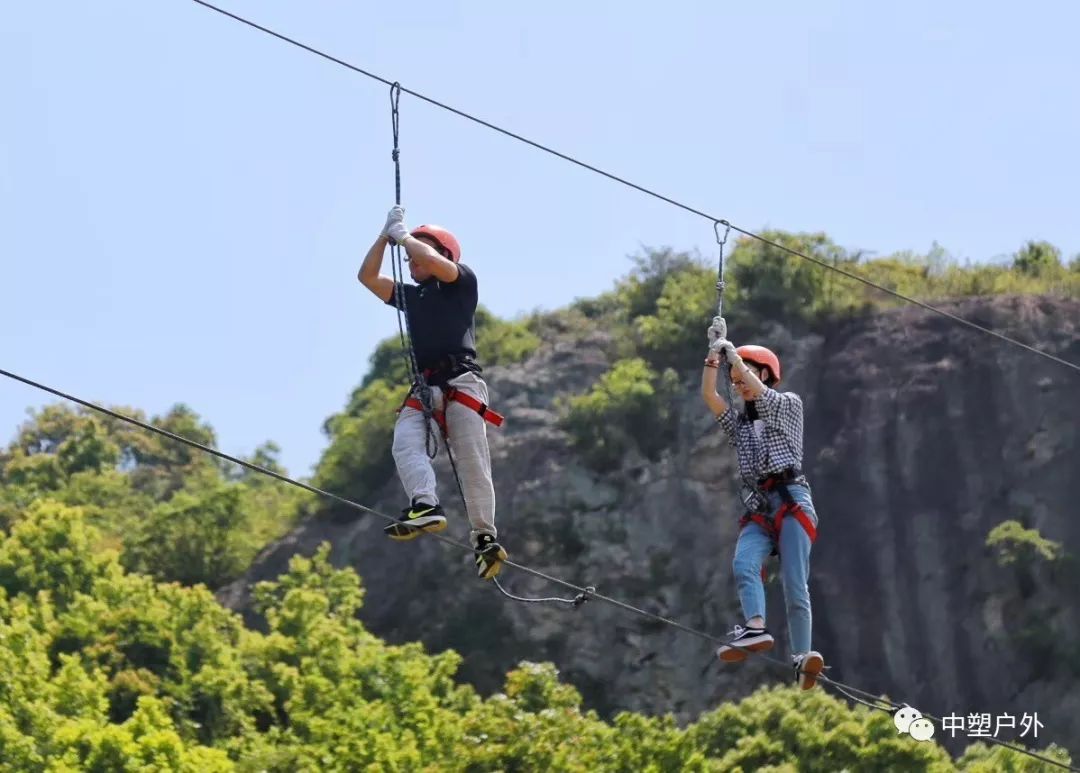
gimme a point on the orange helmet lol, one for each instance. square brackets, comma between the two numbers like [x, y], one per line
[763, 358]
[442, 237]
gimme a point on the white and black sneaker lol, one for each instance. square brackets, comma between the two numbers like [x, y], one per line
[808, 667]
[744, 640]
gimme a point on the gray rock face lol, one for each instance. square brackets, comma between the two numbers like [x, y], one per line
[920, 438]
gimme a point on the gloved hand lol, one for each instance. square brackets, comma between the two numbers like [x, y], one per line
[397, 232]
[396, 217]
[718, 329]
[724, 347]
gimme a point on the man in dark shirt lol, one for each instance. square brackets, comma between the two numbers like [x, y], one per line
[440, 309]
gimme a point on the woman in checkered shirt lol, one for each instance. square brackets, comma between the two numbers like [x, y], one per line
[780, 517]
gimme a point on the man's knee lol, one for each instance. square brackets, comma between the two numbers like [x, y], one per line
[407, 439]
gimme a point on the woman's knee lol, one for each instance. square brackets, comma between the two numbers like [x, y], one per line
[745, 568]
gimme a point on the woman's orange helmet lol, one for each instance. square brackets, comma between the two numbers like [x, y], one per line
[763, 358]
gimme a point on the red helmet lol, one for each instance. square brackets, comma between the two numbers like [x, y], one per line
[442, 237]
[763, 358]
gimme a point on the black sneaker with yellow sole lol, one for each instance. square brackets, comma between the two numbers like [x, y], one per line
[417, 518]
[489, 556]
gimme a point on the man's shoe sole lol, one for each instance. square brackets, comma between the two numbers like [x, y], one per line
[403, 531]
[492, 568]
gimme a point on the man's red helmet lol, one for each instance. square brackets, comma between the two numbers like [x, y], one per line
[442, 237]
[763, 358]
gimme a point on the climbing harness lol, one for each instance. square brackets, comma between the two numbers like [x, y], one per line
[452, 367]
[420, 396]
[455, 395]
[774, 524]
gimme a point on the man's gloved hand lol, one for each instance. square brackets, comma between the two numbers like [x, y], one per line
[395, 228]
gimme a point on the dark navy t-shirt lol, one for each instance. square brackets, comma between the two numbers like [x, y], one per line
[440, 317]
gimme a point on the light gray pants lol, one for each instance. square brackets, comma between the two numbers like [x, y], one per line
[467, 430]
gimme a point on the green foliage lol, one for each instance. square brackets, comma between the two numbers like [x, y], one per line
[767, 282]
[108, 671]
[1040, 259]
[630, 406]
[502, 342]
[1016, 545]
[672, 335]
[358, 459]
[983, 758]
[198, 536]
[170, 510]
[51, 551]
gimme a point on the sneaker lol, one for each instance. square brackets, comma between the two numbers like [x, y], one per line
[489, 556]
[744, 640]
[416, 519]
[807, 668]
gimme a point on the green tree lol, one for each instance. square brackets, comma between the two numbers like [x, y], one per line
[1014, 544]
[51, 550]
[768, 282]
[178, 515]
[199, 536]
[629, 407]
[104, 670]
[1038, 258]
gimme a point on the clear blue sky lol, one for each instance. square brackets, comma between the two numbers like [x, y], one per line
[184, 201]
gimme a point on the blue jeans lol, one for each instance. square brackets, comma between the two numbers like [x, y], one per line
[754, 546]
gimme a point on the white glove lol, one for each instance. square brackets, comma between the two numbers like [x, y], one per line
[396, 215]
[727, 349]
[718, 329]
[397, 232]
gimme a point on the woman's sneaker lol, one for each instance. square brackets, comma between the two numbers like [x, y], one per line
[808, 667]
[415, 520]
[744, 640]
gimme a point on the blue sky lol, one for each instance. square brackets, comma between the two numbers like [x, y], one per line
[184, 202]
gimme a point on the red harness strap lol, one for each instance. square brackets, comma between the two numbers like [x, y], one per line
[775, 525]
[457, 396]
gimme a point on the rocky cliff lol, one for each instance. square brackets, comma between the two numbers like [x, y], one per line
[921, 437]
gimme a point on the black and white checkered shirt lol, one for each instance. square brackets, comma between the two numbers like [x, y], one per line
[779, 447]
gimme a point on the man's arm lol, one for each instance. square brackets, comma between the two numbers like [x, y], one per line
[381, 285]
[426, 256]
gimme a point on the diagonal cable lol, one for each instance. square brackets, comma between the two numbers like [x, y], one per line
[642, 189]
[584, 593]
